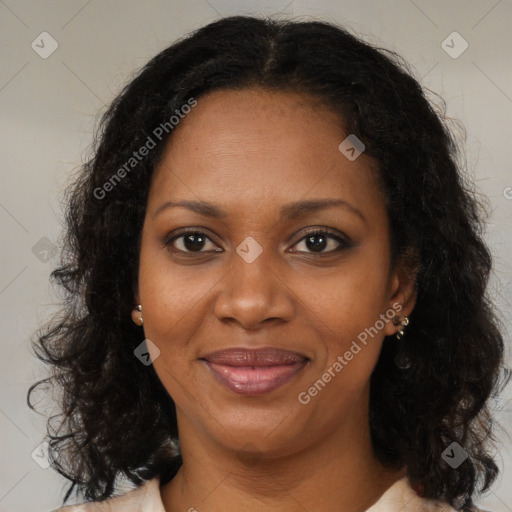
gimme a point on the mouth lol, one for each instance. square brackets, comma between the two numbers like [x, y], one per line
[254, 371]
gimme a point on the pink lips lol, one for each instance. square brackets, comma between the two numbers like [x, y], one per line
[254, 371]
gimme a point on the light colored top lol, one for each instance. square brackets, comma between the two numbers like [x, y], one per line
[146, 498]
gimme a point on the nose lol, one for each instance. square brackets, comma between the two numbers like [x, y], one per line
[254, 293]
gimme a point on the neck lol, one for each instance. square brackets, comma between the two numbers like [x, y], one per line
[338, 472]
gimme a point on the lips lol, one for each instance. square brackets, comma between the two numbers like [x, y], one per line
[254, 371]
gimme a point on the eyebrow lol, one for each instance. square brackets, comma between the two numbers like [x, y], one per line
[288, 211]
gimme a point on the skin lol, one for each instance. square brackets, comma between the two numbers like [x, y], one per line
[251, 152]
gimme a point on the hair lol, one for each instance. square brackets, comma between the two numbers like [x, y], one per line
[117, 420]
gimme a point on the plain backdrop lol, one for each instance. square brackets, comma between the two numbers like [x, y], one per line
[49, 105]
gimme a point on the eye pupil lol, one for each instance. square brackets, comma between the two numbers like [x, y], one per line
[194, 241]
[316, 246]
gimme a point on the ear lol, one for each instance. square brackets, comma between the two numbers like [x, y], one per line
[402, 289]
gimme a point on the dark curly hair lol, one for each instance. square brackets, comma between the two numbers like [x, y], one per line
[116, 418]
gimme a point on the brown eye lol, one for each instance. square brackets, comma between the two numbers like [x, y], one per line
[319, 240]
[190, 242]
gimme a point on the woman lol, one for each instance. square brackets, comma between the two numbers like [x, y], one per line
[276, 288]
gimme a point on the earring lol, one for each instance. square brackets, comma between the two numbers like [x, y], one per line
[402, 360]
[137, 315]
[402, 323]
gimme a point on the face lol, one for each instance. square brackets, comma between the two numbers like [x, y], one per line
[258, 263]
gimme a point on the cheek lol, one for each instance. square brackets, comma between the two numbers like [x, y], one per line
[171, 296]
[171, 309]
[351, 334]
[353, 340]
[350, 315]
[352, 298]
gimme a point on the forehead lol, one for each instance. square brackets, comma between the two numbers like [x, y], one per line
[242, 147]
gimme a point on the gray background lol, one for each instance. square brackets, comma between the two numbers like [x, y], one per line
[49, 108]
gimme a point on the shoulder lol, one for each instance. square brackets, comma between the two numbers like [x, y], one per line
[145, 498]
[401, 496]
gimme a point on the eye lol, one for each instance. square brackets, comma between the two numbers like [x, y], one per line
[318, 240]
[191, 242]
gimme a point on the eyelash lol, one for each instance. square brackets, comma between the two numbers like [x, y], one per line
[344, 243]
